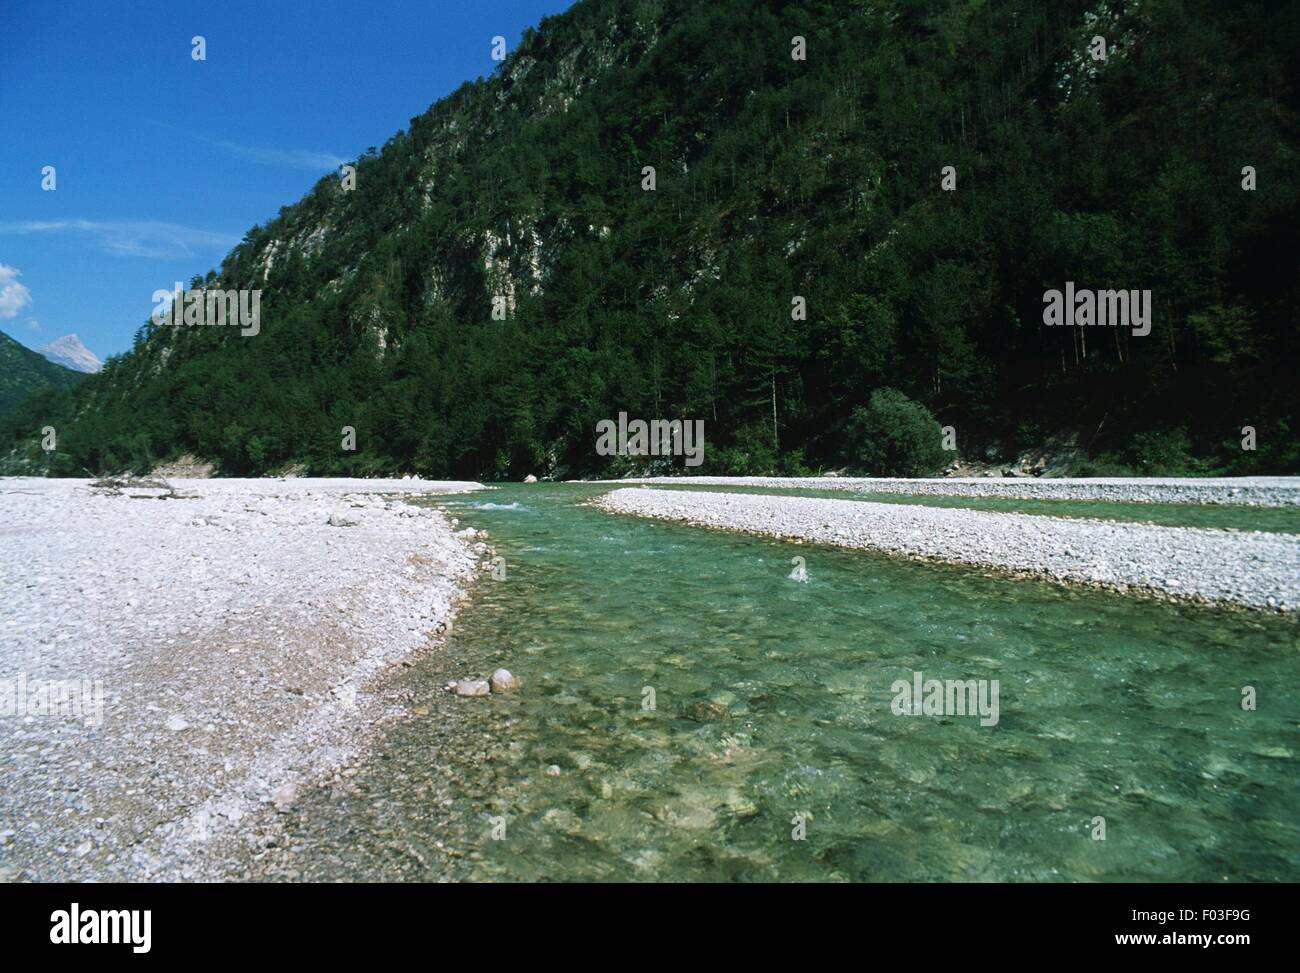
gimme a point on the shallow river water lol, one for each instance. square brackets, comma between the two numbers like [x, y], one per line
[691, 709]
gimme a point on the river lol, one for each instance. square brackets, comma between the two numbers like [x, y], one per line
[691, 710]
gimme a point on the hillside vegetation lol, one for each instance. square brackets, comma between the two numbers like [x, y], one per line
[24, 372]
[776, 178]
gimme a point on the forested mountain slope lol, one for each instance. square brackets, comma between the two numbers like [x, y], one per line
[24, 372]
[775, 178]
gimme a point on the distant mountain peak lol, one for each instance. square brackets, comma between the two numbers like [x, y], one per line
[69, 352]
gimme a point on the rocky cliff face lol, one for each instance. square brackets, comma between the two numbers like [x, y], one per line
[497, 246]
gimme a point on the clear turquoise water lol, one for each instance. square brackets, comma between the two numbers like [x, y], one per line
[773, 699]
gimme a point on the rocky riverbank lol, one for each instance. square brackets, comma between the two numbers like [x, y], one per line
[1258, 491]
[192, 655]
[1253, 569]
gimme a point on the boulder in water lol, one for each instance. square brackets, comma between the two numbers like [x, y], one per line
[472, 687]
[503, 681]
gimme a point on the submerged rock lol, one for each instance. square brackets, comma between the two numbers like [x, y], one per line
[503, 681]
[472, 687]
[706, 712]
[687, 815]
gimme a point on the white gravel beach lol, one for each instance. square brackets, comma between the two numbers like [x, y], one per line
[1253, 491]
[203, 652]
[1254, 569]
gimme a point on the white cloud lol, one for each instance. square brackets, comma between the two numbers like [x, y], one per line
[133, 238]
[289, 158]
[13, 295]
[33, 324]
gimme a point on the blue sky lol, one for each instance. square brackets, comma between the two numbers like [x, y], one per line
[163, 162]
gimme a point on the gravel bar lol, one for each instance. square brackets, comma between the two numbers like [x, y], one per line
[1251, 491]
[1253, 569]
[232, 628]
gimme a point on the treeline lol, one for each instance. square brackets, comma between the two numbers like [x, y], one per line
[776, 179]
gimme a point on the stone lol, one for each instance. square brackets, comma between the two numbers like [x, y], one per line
[530, 478]
[706, 712]
[686, 815]
[503, 681]
[284, 795]
[473, 687]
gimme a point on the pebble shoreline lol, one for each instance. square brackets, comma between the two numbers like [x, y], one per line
[235, 626]
[1251, 491]
[1252, 569]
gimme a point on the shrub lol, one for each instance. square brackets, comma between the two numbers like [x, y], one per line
[894, 436]
[1164, 453]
